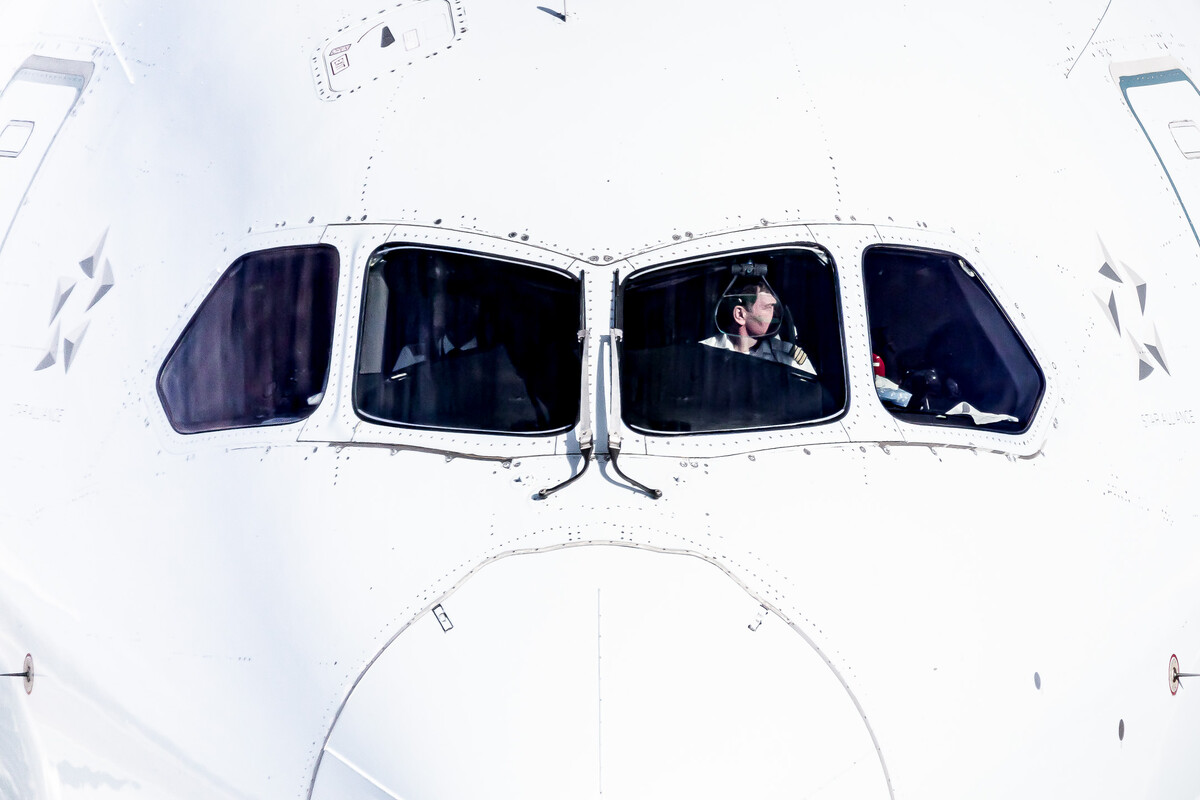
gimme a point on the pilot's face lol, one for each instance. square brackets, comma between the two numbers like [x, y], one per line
[760, 315]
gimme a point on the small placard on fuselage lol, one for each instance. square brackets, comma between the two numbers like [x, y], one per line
[383, 44]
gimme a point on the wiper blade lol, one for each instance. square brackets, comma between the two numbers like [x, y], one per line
[614, 421]
[585, 408]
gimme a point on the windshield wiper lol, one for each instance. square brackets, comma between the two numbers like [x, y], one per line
[614, 405]
[586, 444]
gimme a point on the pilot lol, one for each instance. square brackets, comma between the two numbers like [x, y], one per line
[748, 320]
[455, 320]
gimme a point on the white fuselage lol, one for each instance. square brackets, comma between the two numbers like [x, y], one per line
[864, 606]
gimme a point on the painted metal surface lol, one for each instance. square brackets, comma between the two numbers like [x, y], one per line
[201, 608]
[1166, 104]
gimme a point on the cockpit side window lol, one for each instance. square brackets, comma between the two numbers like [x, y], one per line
[257, 351]
[944, 351]
[735, 342]
[459, 341]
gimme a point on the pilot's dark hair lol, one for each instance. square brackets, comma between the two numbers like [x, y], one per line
[743, 292]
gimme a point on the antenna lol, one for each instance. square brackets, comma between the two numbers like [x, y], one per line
[27, 674]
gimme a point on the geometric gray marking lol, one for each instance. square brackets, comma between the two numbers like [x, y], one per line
[1152, 350]
[1136, 280]
[51, 355]
[47, 361]
[1147, 345]
[71, 344]
[1156, 348]
[88, 265]
[1107, 312]
[1133, 276]
[105, 283]
[387, 38]
[1108, 261]
[61, 293]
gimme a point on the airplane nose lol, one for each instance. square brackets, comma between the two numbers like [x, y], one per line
[599, 670]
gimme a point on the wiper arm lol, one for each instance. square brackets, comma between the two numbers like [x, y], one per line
[614, 418]
[586, 443]
[613, 452]
[585, 450]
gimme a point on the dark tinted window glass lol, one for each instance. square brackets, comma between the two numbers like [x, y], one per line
[944, 351]
[457, 341]
[751, 340]
[257, 351]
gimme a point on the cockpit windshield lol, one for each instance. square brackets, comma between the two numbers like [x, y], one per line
[463, 342]
[944, 352]
[750, 340]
